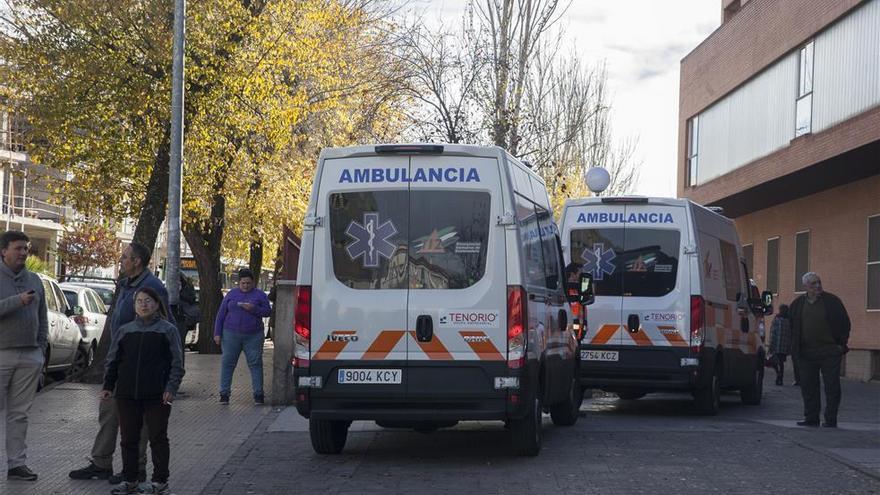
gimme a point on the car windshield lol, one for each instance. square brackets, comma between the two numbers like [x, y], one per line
[71, 298]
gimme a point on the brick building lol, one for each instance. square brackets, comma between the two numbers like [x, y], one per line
[779, 124]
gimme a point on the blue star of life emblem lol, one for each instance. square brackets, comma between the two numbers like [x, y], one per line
[371, 239]
[598, 260]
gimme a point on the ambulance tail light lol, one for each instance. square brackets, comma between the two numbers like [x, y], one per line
[302, 326]
[517, 319]
[698, 310]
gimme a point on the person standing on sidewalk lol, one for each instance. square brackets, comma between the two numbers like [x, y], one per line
[820, 331]
[133, 267]
[780, 341]
[239, 327]
[143, 372]
[24, 334]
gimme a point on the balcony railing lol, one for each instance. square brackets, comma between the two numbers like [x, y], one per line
[30, 207]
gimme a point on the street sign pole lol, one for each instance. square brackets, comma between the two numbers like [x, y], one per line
[175, 165]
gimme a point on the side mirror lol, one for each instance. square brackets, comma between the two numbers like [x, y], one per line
[585, 290]
[767, 302]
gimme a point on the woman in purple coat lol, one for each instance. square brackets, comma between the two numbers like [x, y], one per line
[239, 327]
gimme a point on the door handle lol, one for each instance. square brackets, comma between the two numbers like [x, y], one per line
[632, 323]
[424, 328]
[538, 298]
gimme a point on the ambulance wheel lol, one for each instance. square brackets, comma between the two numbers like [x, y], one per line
[328, 437]
[566, 413]
[751, 395]
[526, 432]
[630, 395]
[708, 399]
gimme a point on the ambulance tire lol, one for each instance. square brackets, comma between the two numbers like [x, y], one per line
[328, 437]
[526, 432]
[708, 399]
[566, 413]
[751, 395]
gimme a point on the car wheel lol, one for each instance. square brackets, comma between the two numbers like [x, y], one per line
[566, 413]
[708, 399]
[751, 395]
[85, 354]
[328, 437]
[526, 432]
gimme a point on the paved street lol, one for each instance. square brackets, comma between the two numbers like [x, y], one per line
[654, 445]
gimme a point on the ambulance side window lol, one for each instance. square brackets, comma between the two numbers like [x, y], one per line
[548, 232]
[733, 282]
[530, 240]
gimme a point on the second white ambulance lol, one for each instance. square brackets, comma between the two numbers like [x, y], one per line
[672, 310]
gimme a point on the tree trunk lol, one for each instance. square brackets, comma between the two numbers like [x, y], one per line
[150, 220]
[256, 258]
[204, 240]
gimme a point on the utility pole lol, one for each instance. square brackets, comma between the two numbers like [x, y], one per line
[175, 166]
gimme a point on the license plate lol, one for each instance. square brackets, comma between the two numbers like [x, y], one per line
[598, 355]
[349, 376]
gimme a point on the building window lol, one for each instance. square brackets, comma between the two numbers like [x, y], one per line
[874, 263]
[693, 136]
[773, 265]
[804, 106]
[749, 255]
[801, 258]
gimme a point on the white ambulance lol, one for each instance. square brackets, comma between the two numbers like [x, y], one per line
[430, 291]
[673, 310]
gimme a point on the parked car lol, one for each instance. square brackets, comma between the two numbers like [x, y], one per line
[67, 352]
[105, 287]
[94, 313]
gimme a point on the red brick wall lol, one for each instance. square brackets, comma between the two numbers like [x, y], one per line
[837, 221]
[759, 34]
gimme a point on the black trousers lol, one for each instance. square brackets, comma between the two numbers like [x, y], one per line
[132, 416]
[810, 367]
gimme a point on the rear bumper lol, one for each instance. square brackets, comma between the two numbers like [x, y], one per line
[429, 391]
[645, 369]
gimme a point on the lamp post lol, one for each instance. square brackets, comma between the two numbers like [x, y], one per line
[175, 165]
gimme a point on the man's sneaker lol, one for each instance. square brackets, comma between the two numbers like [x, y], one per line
[155, 488]
[117, 478]
[92, 472]
[125, 488]
[259, 399]
[22, 473]
[224, 398]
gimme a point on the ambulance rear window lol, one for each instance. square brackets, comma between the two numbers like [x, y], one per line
[629, 262]
[418, 240]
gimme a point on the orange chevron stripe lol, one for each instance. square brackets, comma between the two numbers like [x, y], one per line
[384, 343]
[640, 337]
[674, 339]
[434, 349]
[485, 350]
[604, 334]
[329, 350]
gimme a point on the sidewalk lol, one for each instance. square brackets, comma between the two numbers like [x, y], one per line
[203, 434]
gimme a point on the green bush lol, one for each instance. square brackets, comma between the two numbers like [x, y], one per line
[37, 265]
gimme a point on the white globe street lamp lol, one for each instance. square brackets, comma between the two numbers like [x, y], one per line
[598, 179]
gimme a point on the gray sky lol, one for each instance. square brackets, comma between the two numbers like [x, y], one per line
[642, 42]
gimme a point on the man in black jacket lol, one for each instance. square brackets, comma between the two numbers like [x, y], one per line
[820, 331]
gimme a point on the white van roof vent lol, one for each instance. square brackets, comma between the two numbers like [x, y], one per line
[716, 209]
